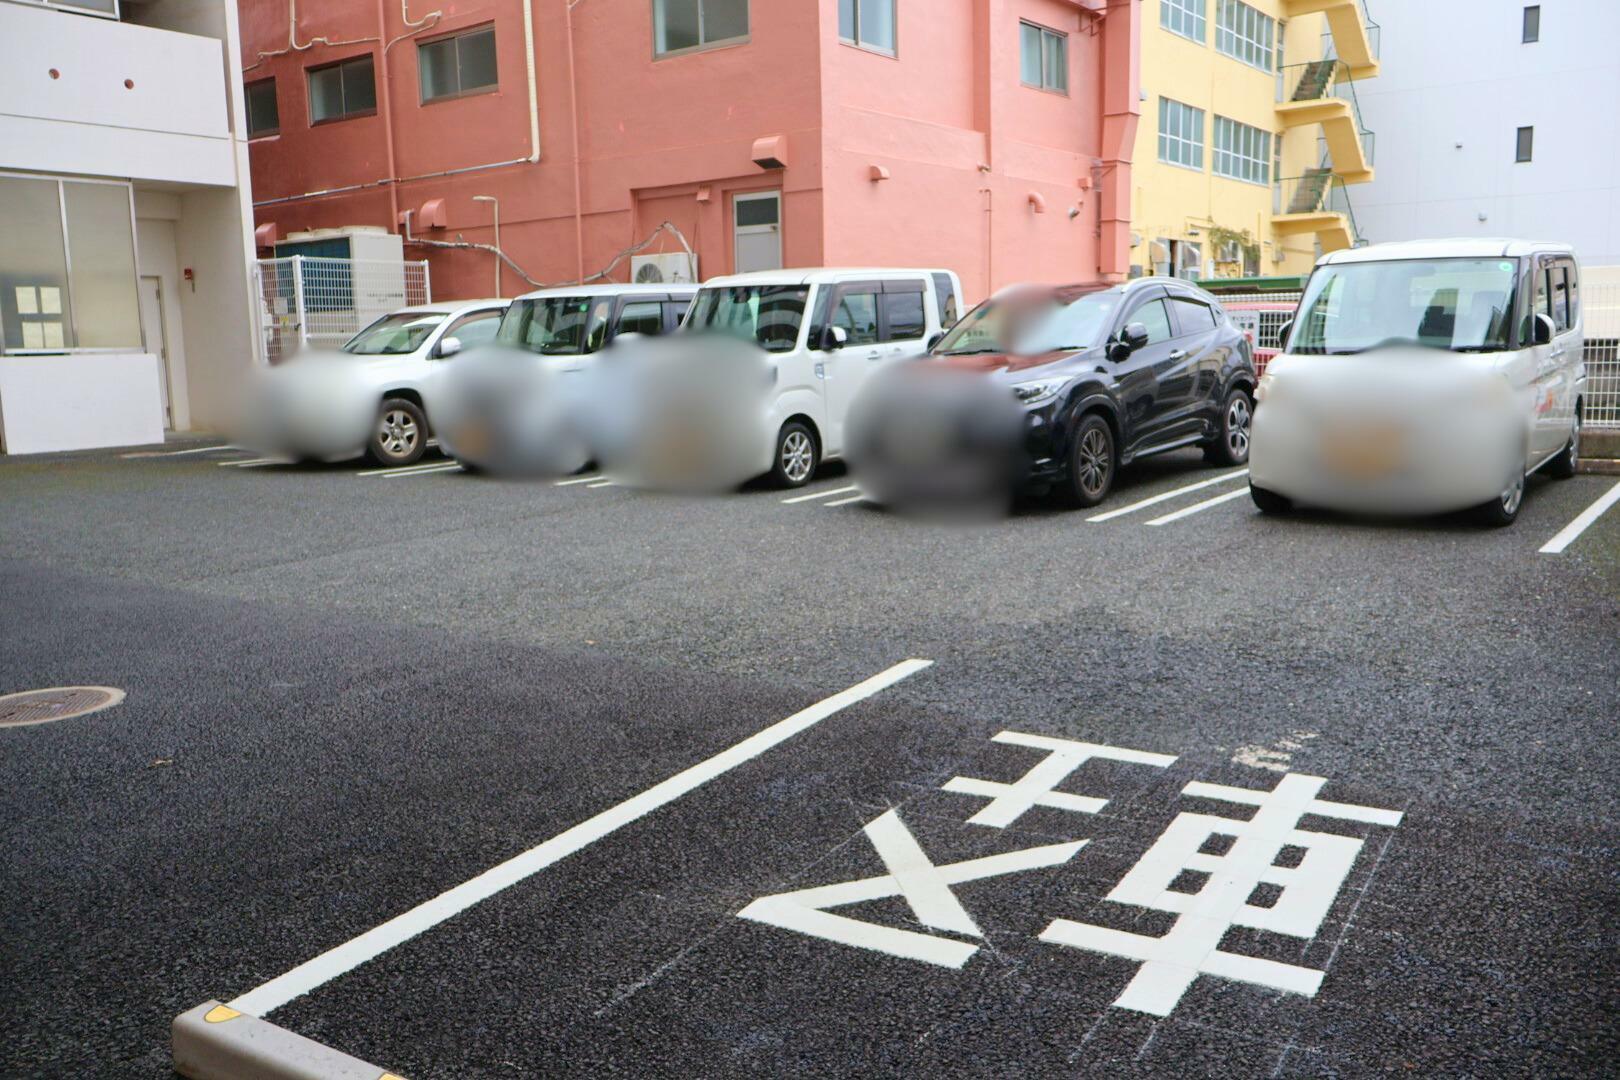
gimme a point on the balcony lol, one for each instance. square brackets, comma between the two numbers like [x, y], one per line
[1319, 92]
[1304, 205]
[1355, 35]
[100, 97]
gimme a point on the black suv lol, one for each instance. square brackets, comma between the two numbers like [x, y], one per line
[1106, 374]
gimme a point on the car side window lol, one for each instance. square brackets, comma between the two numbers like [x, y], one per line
[1572, 275]
[903, 317]
[596, 329]
[945, 294]
[642, 317]
[1192, 316]
[1560, 297]
[857, 313]
[675, 311]
[1157, 320]
[476, 329]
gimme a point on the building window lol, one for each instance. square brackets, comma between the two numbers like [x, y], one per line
[1184, 17]
[1527, 144]
[695, 24]
[73, 288]
[341, 90]
[453, 66]
[263, 118]
[1181, 134]
[1044, 58]
[1532, 24]
[867, 23]
[1244, 34]
[1242, 152]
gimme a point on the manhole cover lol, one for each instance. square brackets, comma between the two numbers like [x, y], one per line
[57, 703]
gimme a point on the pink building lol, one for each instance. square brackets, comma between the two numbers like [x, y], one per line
[992, 137]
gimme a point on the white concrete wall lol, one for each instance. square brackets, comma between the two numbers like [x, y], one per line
[156, 214]
[173, 123]
[1456, 83]
[80, 401]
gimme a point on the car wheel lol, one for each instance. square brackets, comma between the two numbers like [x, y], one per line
[1269, 502]
[399, 436]
[1231, 447]
[797, 455]
[1092, 462]
[1504, 509]
[1563, 466]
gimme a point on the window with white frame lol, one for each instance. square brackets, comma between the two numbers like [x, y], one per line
[867, 23]
[1245, 34]
[1242, 152]
[1181, 134]
[1043, 58]
[679, 25]
[67, 269]
[1184, 17]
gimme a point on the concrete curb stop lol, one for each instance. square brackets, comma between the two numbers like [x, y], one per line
[216, 1042]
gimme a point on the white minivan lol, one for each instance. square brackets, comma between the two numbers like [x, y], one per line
[825, 332]
[1424, 377]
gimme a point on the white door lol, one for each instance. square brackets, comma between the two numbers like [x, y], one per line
[756, 225]
[152, 329]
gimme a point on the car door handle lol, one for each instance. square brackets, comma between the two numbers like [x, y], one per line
[1179, 354]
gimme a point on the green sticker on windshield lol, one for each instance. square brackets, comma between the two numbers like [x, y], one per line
[1505, 267]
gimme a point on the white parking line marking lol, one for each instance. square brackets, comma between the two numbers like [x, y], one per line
[193, 450]
[1167, 496]
[1199, 507]
[846, 502]
[821, 495]
[401, 928]
[394, 470]
[579, 480]
[602, 484]
[253, 463]
[1568, 534]
[403, 474]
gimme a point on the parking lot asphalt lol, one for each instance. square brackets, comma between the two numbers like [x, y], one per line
[350, 694]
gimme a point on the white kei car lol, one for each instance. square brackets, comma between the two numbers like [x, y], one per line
[1424, 377]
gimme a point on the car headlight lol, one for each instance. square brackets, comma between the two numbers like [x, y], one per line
[1038, 391]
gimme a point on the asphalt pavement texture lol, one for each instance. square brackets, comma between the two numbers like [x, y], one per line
[347, 695]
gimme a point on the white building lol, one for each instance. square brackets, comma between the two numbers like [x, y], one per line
[126, 229]
[1496, 118]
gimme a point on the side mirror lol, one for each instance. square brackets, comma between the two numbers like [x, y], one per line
[1131, 338]
[832, 338]
[448, 347]
[1282, 333]
[1543, 330]
[935, 340]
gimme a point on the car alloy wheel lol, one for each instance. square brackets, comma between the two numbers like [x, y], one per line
[1513, 496]
[798, 456]
[397, 433]
[1093, 462]
[1238, 415]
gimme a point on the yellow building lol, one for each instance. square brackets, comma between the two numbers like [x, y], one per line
[1249, 131]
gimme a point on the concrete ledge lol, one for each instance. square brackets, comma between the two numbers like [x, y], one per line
[215, 1042]
[1602, 443]
[1601, 466]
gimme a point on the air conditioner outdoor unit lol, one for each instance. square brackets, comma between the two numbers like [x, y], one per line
[667, 269]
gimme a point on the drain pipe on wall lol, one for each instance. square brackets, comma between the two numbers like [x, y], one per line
[573, 130]
[534, 129]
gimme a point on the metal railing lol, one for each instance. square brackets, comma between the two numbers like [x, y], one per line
[1600, 315]
[1317, 80]
[306, 301]
[1316, 192]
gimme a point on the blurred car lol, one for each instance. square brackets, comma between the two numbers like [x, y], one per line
[509, 410]
[1092, 376]
[824, 332]
[1425, 377]
[373, 395]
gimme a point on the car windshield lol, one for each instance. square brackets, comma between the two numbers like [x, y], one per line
[1032, 322]
[395, 335]
[555, 325]
[767, 315]
[1464, 305]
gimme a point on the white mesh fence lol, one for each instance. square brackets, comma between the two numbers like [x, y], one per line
[321, 303]
[1600, 304]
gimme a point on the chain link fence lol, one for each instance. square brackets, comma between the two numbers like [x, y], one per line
[309, 302]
